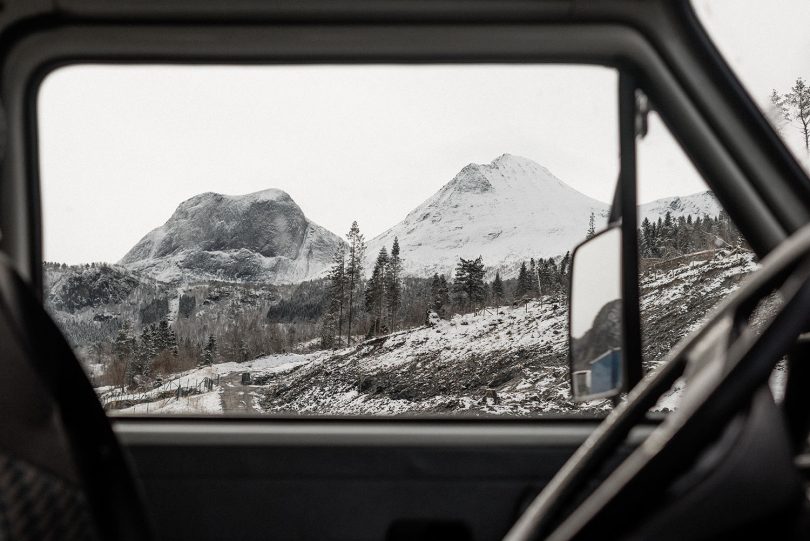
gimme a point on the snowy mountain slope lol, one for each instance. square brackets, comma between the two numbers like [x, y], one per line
[505, 211]
[260, 236]
[508, 211]
[696, 204]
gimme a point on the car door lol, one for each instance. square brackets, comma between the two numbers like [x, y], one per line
[449, 446]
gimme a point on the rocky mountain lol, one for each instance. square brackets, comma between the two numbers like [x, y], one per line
[604, 335]
[263, 236]
[505, 211]
[72, 290]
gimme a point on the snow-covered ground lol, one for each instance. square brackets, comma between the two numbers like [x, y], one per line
[156, 401]
[506, 360]
[680, 294]
[510, 359]
[208, 403]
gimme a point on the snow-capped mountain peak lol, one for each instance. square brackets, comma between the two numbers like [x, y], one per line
[506, 211]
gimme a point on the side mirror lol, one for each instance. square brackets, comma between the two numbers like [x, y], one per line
[604, 322]
[596, 317]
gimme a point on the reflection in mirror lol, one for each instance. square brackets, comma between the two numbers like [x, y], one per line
[596, 323]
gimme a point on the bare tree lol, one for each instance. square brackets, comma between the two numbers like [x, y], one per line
[794, 106]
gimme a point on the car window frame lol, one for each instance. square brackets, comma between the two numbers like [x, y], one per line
[37, 53]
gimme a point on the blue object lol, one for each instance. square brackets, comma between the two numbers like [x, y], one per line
[606, 372]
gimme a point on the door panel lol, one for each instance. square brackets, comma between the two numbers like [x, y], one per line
[309, 481]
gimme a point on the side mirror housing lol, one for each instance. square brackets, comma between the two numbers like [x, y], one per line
[604, 323]
[596, 319]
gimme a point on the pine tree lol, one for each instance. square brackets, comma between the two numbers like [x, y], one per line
[123, 342]
[439, 295]
[124, 350]
[591, 227]
[544, 278]
[553, 280]
[354, 272]
[173, 343]
[328, 329]
[210, 351]
[161, 338]
[469, 280]
[497, 288]
[376, 291]
[444, 296]
[565, 264]
[645, 238]
[435, 303]
[393, 289]
[522, 285]
[332, 321]
[534, 277]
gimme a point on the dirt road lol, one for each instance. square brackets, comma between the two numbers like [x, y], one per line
[237, 398]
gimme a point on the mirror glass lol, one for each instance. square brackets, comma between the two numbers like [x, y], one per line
[596, 321]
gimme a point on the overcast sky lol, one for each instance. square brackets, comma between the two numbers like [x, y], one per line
[121, 147]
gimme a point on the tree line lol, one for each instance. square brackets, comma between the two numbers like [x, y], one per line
[385, 301]
[137, 356]
[672, 237]
[469, 291]
[352, 301]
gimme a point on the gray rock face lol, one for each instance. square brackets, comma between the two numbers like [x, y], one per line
[73, 290]
[605, 334]
[263, 236]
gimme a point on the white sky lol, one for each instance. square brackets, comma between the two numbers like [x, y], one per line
[122, 146]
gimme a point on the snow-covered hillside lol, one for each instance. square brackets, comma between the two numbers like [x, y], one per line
[507, 360]
[263, 236]
[696, 204]
[505, 211]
